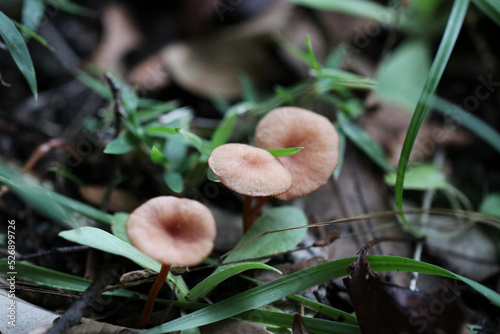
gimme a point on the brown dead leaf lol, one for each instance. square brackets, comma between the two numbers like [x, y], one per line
[120, 201]
[388, 124]
[387, 308]
[120, 36]
[213, 67]
[149, 75]
[299, 326]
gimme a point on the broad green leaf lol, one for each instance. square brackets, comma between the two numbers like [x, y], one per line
[273, 219]
[490, 8]
[450, 36]
[403, 73]
[223, 131]
[32, 13]
[491, 205]
[106, 242]
[423, 177]
[161, 131]
[224, 272]
[122, 144]
[174, 181]
[281, 152]
[157, 157]
[119, 226]
[202, 145]
[364, 142]
[298, 281]
[19, 51]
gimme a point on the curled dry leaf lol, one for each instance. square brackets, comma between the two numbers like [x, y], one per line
[403, 311]
[213, 67]
[299, 326]
[120, 201]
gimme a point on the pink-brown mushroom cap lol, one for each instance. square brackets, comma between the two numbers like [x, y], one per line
[249, 170]
[173, 230]
[296, 127]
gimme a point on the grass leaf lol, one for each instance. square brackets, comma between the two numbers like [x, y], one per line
[224, 131]
[298, 281]
[32, 13]
[364, 142]
[490, 8]
[450, 36]
[19, 51]
[281, 152]
[106, 242]
[122, 144]
[224, 272]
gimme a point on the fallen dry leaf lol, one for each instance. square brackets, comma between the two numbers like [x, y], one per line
[120, 36]
[120, 201]
[383, 308]
[299, 326]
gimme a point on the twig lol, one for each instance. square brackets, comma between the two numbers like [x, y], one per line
[61, 250]
[73, 315]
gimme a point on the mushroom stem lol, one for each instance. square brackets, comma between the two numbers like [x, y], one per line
[247, 213]
[150, 302]
[250, 213]
[254, 213]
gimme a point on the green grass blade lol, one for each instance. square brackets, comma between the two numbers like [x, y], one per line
[364, 142]
[224, 272]
[450, 36]
[489, 7]
[46, 277]
[329, 311]
[283, 152]
[32, 13]
[469, 121]
[106, 242]
[298, 281]
[360, 8]
[19, 51]
[317, 326]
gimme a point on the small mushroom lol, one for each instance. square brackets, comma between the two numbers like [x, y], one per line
[295, 127]
[170, 230]
[249, 171]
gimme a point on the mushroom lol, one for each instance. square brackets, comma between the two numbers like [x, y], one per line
[170, 230]
[250, 171]
[296, 127]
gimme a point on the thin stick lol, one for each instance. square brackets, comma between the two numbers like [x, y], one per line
[155, 289]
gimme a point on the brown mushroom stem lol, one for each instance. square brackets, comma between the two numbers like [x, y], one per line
[257, 208]
[247, 213]
[250, 213]
[155, 289]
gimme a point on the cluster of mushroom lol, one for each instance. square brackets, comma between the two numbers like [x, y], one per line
[254, 172]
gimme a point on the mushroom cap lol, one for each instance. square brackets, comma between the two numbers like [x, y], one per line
[296, 127]
[249, 170]
[173, 230]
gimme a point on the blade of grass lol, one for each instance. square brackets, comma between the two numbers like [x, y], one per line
[298, 281]
[450, 36]
[32, 13]
[19, 51]
[489, 7]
